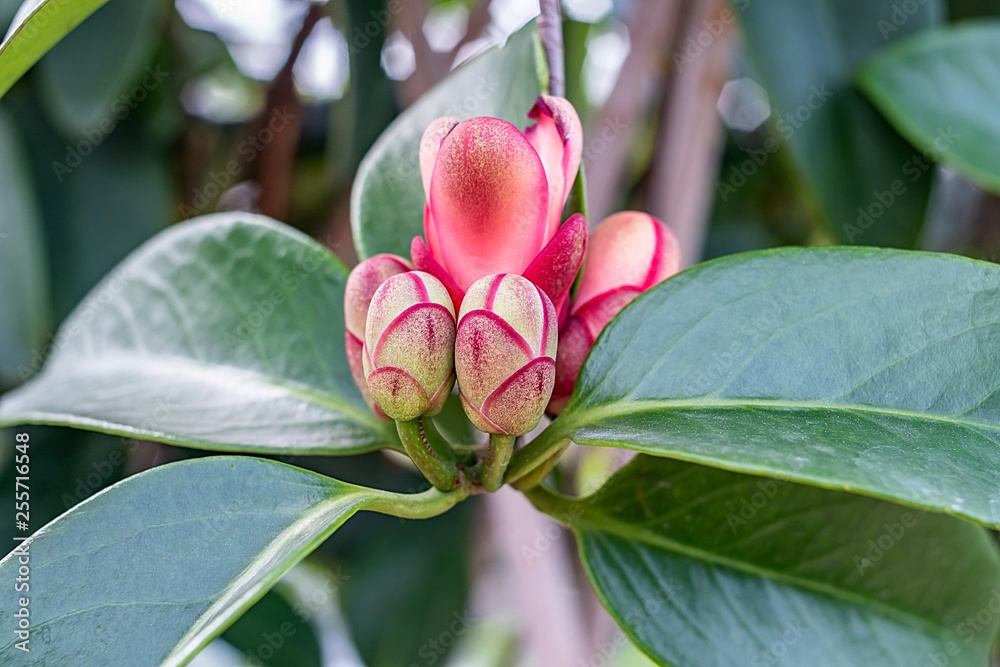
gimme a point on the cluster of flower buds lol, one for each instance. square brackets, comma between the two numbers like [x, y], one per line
[494, 251]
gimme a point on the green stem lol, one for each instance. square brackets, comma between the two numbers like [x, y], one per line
[536, 476]
[439, 472]
[431, 502]
[497, 459]
[537, 453]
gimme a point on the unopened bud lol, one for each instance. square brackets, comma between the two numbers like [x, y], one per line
[364, 279]
[505, 354]
[627, 254]
[408, 357]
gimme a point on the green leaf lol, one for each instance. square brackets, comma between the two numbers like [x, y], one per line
[119, 40]
[223, 333]
[845, 156]
[867, 370]
[186, 548]
[707, 567]
[38, 32]
[25, 310]
[387, 200]
[941, 89]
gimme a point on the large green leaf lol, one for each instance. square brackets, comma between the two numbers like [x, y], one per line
[150, 570]
[224, 333]
[876, 371]
[845, 155]
[38, 32]
[941, 89]
[98, 75]
[707, 567]
[387, 201]
[25, 310]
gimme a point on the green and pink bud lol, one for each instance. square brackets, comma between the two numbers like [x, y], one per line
[505, 354]
[494, 199]
[408, 355]
[362, 283]
[628, 253]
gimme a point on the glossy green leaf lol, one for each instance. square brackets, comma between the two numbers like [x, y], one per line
[25, 310]
[37, 32]
[844, 154]
[88, 96]
[706, 567]
[941, 89]
[387, 201]
[224, 333]
[869, 370]
[150, 570]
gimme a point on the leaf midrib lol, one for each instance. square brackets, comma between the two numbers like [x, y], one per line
[585, 416]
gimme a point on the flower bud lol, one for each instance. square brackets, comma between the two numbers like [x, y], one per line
[504, 354]
[364, 279]
[627, 254]
[408, 356]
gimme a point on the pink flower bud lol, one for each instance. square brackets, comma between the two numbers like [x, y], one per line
[504, 354]
[408, 355]
[628, 253]
[364, 279]
[495, 195]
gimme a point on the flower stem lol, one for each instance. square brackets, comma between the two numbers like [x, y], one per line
[430, 503]
[497, 459]
[550, 29]
[537, 475]
[438, 467]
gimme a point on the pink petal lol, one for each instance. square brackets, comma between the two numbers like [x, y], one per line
[430, 144]
[557, 136]
[487, 352]
[424, 261]
[420, 341]
[399, 293]
[521, 304]
[628, 249]
[556, 266]
[488, 201]
[518, 403]
[600, 310]
[575, 342]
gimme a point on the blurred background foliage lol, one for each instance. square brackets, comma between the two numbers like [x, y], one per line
[154, 111]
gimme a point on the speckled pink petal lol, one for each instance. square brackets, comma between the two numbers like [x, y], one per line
[521, 304]
[600, 310]
[476, 416]
[518, 403]
[362, 283]
[556, 266]
[430, 144]
[574, 344]
[441, 395]
[488, 201]
[557, 136]
[487, 352]
[421, 341]
[628, 249]
[399, 395]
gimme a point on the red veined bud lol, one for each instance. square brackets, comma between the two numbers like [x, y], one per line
[505, 354]
[364, 279]
[627, 254]
[409, 352]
